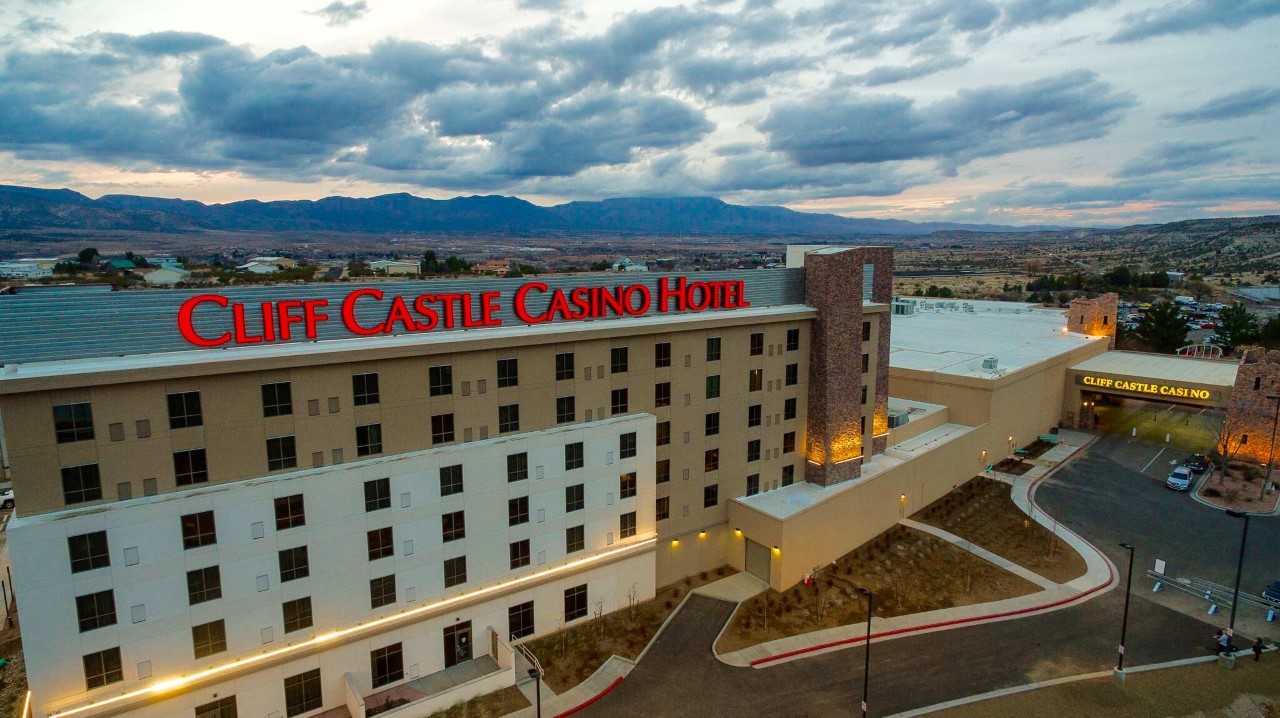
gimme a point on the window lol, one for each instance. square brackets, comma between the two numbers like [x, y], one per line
[793, 374]
[290, 512]
[382, 591]
[574, 498]
[380, 543]
[198, 530]
[712, 423]
[663, 433]
[221, 708]
[453, 526]
[627, 525]
[277, 399]
[88, 551]
[377, 494]
[209, 638]
[753, 450]
[441, 428]
[95, 610]
[662, 471]
[204, 584]
[793, 339]
[281, 453]
[661, 354]
[789, 408]
[753, 415]
[440, 380]
[627, 445]
[297, 614]
[190, 467]
[573, 456]
[364, 388]
[713, 348]
[755, 380]
[627, 485]
[184, 410]
[81, 484]
[713, 386]
[455, 571]
[566, 409]
[862, 425]
[520, 553]
[866, 363]
[564, 366]
[788, 475]
[753, 484]
[662, 394]
[518, 511]
[788, 442]
[710, 496]
[294, 564]
[517, 467]
[451, 480]
[387, 665]
[575, 602]
[866, 331]
[864, 394]
[618, 360]
[520, 620]
[508, 418]
[663, 508]
[618, 401]
[711, 460]
[368, 439]
[757, 344]
[508, 373]
[103, 668]
[73, 422]
[302, 693]
[575, 539]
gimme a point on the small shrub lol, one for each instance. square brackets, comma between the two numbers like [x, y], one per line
[1212, 493]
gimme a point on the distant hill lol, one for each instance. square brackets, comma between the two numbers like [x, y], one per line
[35, 208]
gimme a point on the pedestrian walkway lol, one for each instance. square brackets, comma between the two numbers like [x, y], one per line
[599, 683]
[737, 588]
[982, 553]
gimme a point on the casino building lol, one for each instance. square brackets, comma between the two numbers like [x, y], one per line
[305, 500]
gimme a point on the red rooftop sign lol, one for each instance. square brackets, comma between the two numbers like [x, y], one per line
[284, 319]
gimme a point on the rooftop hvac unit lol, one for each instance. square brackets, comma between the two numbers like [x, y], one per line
[898, 418]
[990, 363]
[904, 307]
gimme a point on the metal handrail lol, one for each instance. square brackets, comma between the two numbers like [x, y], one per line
[1216, 594]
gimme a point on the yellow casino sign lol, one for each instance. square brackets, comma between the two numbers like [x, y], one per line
[1142, 387]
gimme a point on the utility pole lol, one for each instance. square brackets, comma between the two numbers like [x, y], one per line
[1124, 620]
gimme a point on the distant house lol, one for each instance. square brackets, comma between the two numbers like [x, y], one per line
[24, 269]
[626, 265]
[394, 266]
[492, 266]
[1176, 278]
[119, 264]
[281, 262]
[164, 261]
[165, 276]
[256, 267]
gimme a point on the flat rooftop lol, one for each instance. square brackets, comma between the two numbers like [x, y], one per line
[1163, 367]
[955, 336]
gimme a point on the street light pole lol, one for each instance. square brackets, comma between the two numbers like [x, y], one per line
[1124, 620]
[1271, 449]
[1244, 537]
[537, 690]
[866, 651]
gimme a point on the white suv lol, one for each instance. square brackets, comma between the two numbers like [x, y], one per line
[1179, 479]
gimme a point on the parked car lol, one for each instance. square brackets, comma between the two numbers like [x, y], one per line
[1272, 592]
[1208, 325]
[6, 500]
[1198, 463]
[1179, 479]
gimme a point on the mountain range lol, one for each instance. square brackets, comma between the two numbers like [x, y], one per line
[37, 208]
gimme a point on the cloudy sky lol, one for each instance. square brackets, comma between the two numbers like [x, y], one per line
[1012, 111]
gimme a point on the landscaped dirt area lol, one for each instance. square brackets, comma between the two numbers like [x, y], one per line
[982, 511]
[1240, 488]
[489, 705]
[570, 656]
[1016, 467]
[910, 572]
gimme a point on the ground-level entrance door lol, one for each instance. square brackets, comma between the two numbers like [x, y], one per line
[457, 644]
[758, 560]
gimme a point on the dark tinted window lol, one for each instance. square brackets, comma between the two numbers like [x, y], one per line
[73, 422]
[184, 410]
[81, 484]
[277, 399]
[198, 530]
[364, 388]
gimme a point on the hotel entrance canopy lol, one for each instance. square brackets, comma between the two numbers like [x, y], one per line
[1162, 377]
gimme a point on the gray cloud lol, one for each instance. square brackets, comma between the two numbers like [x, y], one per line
[889, 74]
[338, 13]
[719, 77]
[1020, 13]
[983, 122]
[1193, 15]
[37, 25]
[1230, 106]
[1179, 156]
[158, 44]
[540, 4]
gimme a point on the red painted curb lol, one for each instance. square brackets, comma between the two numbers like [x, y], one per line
[585, 704]
[1111, 577]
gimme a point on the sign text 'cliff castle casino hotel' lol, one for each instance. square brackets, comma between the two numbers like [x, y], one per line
[282, 320]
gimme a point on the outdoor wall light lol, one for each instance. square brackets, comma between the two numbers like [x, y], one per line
[702, 534]
[737, 532]
[777, 551]
[675, 543]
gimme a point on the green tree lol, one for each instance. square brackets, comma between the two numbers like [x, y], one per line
[456, 265]
[1121, 276]
[1163, 328]
[1270, 333]
[87, 255]
[1236, 326]
[429, 263]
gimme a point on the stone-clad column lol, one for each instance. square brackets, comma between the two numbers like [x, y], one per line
[833, 286]
[881, 293]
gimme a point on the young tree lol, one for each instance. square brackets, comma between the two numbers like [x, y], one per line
[1163, 328]
[1269, 334]
[87, 255]
[1236, 326]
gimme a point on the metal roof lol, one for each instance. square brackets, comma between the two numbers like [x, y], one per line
[1163, 367]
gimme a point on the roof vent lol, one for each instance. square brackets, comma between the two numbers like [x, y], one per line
[990, 363]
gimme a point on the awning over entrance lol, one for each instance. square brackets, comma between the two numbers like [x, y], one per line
[1203, 382]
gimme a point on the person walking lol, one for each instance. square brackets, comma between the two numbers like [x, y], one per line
[1224, 642]
[1257, 650]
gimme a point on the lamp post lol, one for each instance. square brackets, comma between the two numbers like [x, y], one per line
[1271, 448]
[1244, 536]
[537, 690]
[866, 650]
[1124, 620]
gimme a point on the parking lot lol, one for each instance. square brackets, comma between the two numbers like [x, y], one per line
[1189, 430]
